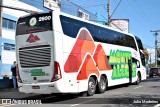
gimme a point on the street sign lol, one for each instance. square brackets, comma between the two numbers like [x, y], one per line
[120, 24]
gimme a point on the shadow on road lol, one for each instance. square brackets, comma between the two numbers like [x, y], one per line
[155, 79]
[118, 86]
[54, 98]
[70, 98]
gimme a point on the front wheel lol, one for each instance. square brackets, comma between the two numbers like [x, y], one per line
[91, 86]
[138, 78]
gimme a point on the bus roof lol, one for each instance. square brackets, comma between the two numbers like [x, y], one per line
[78, 18]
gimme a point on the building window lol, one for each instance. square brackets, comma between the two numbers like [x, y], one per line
[9, 24]
[80, 13]
[83, 15]
[8, 46]
[4, 23]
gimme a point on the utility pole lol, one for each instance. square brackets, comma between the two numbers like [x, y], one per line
[1, 17]
[108, 8]
[156, 42]
[150, 58]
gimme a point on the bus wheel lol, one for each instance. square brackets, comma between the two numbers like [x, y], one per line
[102, 85]
[91, 86]
[138, 78]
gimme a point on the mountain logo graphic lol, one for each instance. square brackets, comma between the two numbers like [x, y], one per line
[91, 60]
[32, 38]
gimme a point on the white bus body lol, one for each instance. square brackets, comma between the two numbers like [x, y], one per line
[60, 53]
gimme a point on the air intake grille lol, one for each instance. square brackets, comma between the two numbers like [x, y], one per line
[35, 56]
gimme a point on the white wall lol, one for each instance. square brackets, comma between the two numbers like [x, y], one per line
[18, 4]
[8, 36]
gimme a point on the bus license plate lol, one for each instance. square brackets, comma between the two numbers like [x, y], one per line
[35, 87]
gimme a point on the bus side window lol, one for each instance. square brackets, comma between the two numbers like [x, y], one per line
[67, 26]
[103, 35]
[130, 42]
[100, 35]
[76, 28]
[111, 38]
[92, 29]
[116, 39]
[142, 58]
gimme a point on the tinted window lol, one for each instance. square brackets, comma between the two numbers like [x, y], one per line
[67, 27]
[110, 37]
[76, 28]
[140, 46]
[71, 28]
[92, 29]
[142, 58]
[130, 42]
[34, 23]
[103, 36]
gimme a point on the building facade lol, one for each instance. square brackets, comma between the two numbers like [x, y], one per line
[10, 16]
[7, 39]
[65, 6]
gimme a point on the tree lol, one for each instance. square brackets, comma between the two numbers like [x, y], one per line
[151, 65]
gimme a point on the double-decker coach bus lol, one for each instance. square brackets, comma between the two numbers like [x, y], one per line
[60, 53]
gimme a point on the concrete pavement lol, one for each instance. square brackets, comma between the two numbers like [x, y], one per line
[11, 93]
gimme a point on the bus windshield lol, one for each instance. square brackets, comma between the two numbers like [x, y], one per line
[139, 43]
[34, 23]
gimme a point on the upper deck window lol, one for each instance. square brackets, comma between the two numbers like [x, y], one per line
[71, 28]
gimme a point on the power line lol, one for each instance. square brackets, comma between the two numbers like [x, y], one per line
[108, 9]
[116, 8]
[113, 24]
[84, 2]
[137, 11]
[141, 12]
[149, 46]
[92, 4]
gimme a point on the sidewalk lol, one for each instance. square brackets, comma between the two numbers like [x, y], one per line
[10, 93]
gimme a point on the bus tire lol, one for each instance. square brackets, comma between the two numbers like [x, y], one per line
[138, 78]
[91, 86]
[102, 84]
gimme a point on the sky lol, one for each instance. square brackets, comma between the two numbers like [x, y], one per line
[143, 15]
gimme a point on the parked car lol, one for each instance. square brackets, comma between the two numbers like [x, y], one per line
[155, 71]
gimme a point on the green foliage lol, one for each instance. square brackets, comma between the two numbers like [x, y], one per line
[151, 65]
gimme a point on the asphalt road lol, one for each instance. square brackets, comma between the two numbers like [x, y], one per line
[146, 94]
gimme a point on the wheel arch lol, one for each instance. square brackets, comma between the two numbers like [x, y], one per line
[95, 78]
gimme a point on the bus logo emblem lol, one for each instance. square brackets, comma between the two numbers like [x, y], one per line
[32, 38]
[33, 21]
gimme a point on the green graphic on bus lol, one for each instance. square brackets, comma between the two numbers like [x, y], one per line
[37, 72]
[119, 59]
